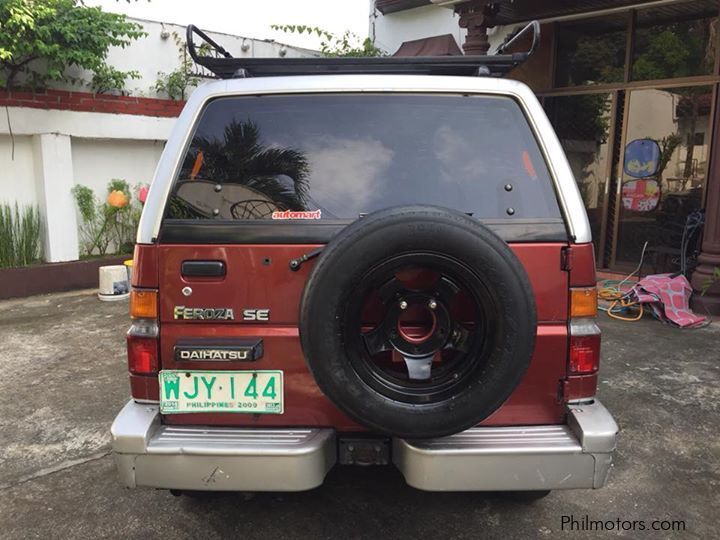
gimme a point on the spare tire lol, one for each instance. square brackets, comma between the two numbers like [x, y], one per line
[417, 321]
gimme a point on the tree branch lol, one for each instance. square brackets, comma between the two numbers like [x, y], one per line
[14, 68]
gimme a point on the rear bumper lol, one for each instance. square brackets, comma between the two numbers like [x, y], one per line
[217, 459]
[576, 455]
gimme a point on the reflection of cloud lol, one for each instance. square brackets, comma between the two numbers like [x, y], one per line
[459, 156]
[342, 169]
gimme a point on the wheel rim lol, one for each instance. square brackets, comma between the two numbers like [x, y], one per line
[425, 356]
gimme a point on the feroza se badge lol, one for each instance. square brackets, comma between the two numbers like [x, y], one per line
[223, 314]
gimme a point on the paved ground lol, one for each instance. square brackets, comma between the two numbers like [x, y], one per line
[63, 366]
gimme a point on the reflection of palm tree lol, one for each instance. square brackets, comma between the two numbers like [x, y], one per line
[241, 158]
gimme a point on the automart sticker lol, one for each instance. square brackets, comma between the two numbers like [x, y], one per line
[291, 214]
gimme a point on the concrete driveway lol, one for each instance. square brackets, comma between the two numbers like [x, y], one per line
[63, 366]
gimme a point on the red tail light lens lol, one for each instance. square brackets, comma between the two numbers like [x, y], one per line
[584, 359]
[584, 354]
[142, 355]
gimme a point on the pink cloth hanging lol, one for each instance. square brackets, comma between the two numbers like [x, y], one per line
[669, 299]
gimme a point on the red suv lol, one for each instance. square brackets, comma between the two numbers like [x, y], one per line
[363, 261]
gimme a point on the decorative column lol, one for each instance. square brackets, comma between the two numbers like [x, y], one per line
[54, 181]
[709, 257]
[476, 16]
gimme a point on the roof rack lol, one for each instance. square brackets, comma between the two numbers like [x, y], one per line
[225, 66]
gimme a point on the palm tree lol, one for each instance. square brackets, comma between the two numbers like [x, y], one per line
[241, 158]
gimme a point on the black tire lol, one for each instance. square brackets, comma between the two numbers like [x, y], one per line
[500, 361]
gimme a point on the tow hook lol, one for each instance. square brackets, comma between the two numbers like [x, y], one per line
[364, 451]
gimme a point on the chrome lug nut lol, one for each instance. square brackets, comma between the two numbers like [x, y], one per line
[403, 304]
[432, 304]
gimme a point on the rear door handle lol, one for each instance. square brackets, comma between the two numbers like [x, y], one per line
[203, 269]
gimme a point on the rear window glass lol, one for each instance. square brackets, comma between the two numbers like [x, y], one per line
[341, 156]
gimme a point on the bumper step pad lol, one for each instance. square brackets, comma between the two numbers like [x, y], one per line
[220, 459]
[577, 455]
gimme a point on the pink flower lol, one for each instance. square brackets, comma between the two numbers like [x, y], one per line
[142, 194]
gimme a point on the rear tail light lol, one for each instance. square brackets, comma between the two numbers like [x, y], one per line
[142, 338]
[142, 354]
[584, 345]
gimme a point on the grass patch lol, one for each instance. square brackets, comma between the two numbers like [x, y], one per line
[19, 235]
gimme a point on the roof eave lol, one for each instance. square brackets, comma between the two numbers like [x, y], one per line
[393, 6]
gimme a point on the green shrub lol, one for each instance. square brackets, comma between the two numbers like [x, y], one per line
[93, 237]
[39, 39]
[19, 235]
[124, 221]
[110, 224]
[177, 83]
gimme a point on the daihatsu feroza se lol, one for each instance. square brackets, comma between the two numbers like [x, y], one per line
[366, 267]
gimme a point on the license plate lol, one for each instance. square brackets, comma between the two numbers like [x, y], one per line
[254, 392]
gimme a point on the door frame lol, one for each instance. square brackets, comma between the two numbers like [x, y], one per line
[609, 225]
[620, 159]
[617, 140]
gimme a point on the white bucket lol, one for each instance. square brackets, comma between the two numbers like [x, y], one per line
[114, 283]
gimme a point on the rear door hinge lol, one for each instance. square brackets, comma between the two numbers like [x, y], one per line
[566, 258]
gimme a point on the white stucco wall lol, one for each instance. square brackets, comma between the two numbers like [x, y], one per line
[153, 53]
[87, 125]
[16, 175]
[98, 161]
[55, 150]
[390, 31]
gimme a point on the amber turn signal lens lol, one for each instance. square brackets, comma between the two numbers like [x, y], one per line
[583, 302]
[143, 304]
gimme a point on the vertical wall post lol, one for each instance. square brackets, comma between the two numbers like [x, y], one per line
[54, 181]
[709, 257]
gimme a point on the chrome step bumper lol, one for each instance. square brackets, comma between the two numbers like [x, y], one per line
[217, 459]
[576, 455]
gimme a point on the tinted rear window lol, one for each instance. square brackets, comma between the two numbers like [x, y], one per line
[341, 156]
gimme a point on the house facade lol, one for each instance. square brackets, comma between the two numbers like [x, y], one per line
[631, 88]
[58, 138]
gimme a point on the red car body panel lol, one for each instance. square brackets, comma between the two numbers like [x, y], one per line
[582, 266]
[258, 276]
